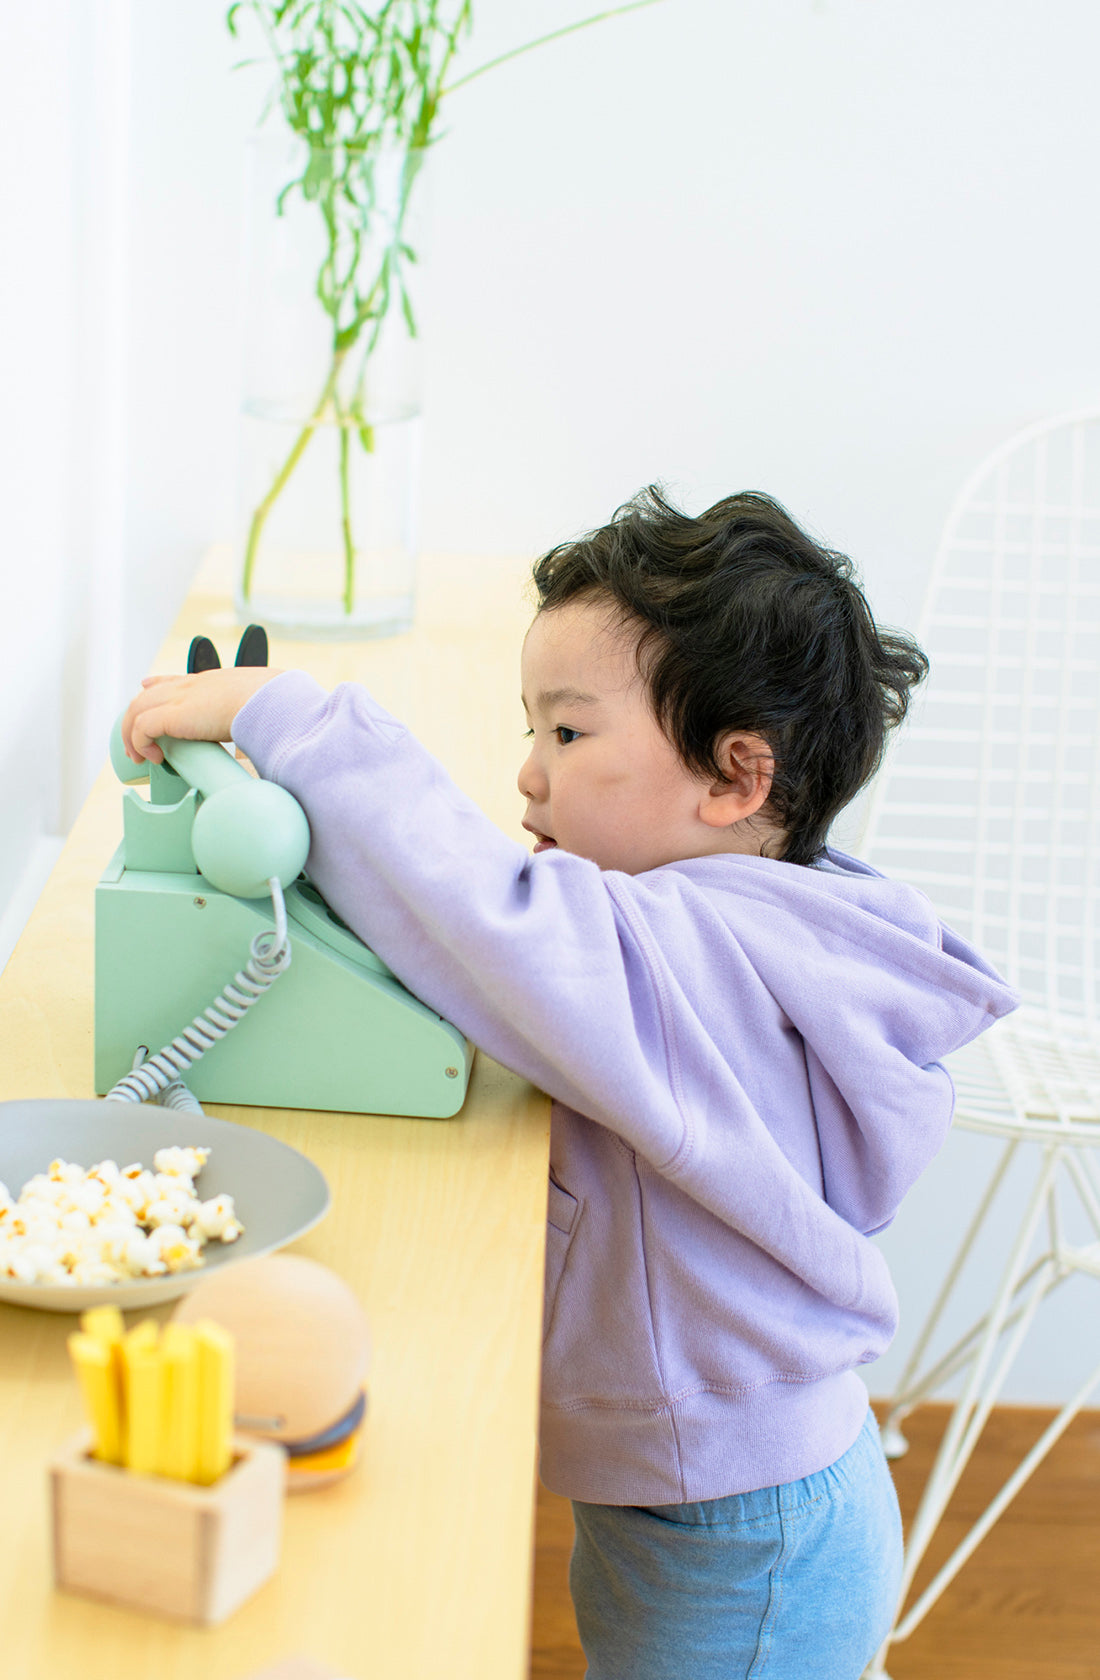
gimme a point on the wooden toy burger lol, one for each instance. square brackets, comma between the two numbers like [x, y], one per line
[302, 1351]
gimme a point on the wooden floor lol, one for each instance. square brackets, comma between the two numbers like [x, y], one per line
[1026, 1605]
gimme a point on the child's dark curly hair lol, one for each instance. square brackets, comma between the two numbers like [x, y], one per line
[746, 624]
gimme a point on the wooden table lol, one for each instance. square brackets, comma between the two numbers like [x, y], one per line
[417, 1566]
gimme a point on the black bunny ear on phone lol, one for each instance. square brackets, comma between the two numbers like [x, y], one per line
[253, 646]
[202, 655]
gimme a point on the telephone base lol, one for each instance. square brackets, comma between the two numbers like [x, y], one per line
[336, 1032]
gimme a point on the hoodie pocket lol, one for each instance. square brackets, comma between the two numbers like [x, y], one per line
[561, 1209]
[561, 1218]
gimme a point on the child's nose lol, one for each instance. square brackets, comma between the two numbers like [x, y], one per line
[531, 781]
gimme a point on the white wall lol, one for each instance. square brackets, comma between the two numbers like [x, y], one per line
[833, 249]
[64, 137]
[36, 349]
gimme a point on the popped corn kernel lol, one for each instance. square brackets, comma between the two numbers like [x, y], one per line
[137, 1188]
[181, 1163]
[65, 1172]
[216, 1218]
[169, 1208]
[178, 1251]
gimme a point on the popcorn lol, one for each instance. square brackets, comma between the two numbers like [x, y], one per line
[110, 1223]
[216, 1218]
[171, 1207]
[137, 1188]
[175, 1250]
[180, 1163]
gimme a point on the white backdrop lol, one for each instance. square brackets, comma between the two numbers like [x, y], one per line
[832, 249]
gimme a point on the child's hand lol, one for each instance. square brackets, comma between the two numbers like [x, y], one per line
[200, 707]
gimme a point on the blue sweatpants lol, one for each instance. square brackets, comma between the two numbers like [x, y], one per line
[797, 1582]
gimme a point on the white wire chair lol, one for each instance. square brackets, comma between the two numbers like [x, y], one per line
[990, 802]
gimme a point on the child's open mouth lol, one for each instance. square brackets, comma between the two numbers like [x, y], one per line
[543, 842]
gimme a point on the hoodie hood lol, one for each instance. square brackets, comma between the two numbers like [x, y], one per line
[879, 992]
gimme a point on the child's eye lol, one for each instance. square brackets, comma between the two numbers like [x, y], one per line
[564, 734]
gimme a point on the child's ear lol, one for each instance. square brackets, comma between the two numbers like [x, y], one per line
[748, 766]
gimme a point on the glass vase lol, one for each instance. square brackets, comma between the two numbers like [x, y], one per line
[331, 417]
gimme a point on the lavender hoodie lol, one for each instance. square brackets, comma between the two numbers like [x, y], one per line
[743, 1057]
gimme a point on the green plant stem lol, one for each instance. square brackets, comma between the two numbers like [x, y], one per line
[555, 35]
[301, 443]
[345, 523]
[350, 338]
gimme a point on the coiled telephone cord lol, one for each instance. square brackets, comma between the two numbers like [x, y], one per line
[159, 1078]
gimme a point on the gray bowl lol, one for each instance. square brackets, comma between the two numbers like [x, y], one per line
[278, 1193]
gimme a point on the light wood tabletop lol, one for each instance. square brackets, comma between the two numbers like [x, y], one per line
[417, 1565]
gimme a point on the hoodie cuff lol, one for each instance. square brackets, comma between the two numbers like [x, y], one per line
[277, 717]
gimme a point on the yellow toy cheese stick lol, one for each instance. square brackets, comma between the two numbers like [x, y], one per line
[95, 1372]
[179, 1356]
[215, 1406]
[104, 1323]
[144, 1335]
[143, 1395]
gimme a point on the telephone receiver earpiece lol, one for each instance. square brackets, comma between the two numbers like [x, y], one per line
[202, 655]
[252, 648]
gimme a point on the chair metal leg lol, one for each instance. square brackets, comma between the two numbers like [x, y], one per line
[1027, 1466]
[956, 1359]
[1084, 1178]
[972, 1410]
[910, 1390]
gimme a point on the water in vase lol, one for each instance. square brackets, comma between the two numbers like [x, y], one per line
[328, 536]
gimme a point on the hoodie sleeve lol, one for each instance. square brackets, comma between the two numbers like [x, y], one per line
[527, 958]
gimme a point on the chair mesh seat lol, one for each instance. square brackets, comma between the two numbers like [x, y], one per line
[1029, 1073]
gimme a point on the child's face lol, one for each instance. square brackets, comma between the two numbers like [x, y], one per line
[601, 779]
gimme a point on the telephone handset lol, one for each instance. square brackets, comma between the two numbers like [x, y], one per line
[245, 833]
[180, 902]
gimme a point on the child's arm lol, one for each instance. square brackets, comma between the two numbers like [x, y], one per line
[526, 955]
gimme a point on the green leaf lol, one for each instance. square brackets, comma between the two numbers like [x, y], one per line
[280, 202]
[407, 311]
[318, 172]
[555, 35]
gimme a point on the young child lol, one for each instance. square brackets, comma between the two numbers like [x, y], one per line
[741, 1031]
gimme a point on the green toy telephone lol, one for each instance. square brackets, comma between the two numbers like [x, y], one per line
[178, 906]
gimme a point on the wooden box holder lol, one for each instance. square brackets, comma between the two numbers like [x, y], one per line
[168, 1547]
